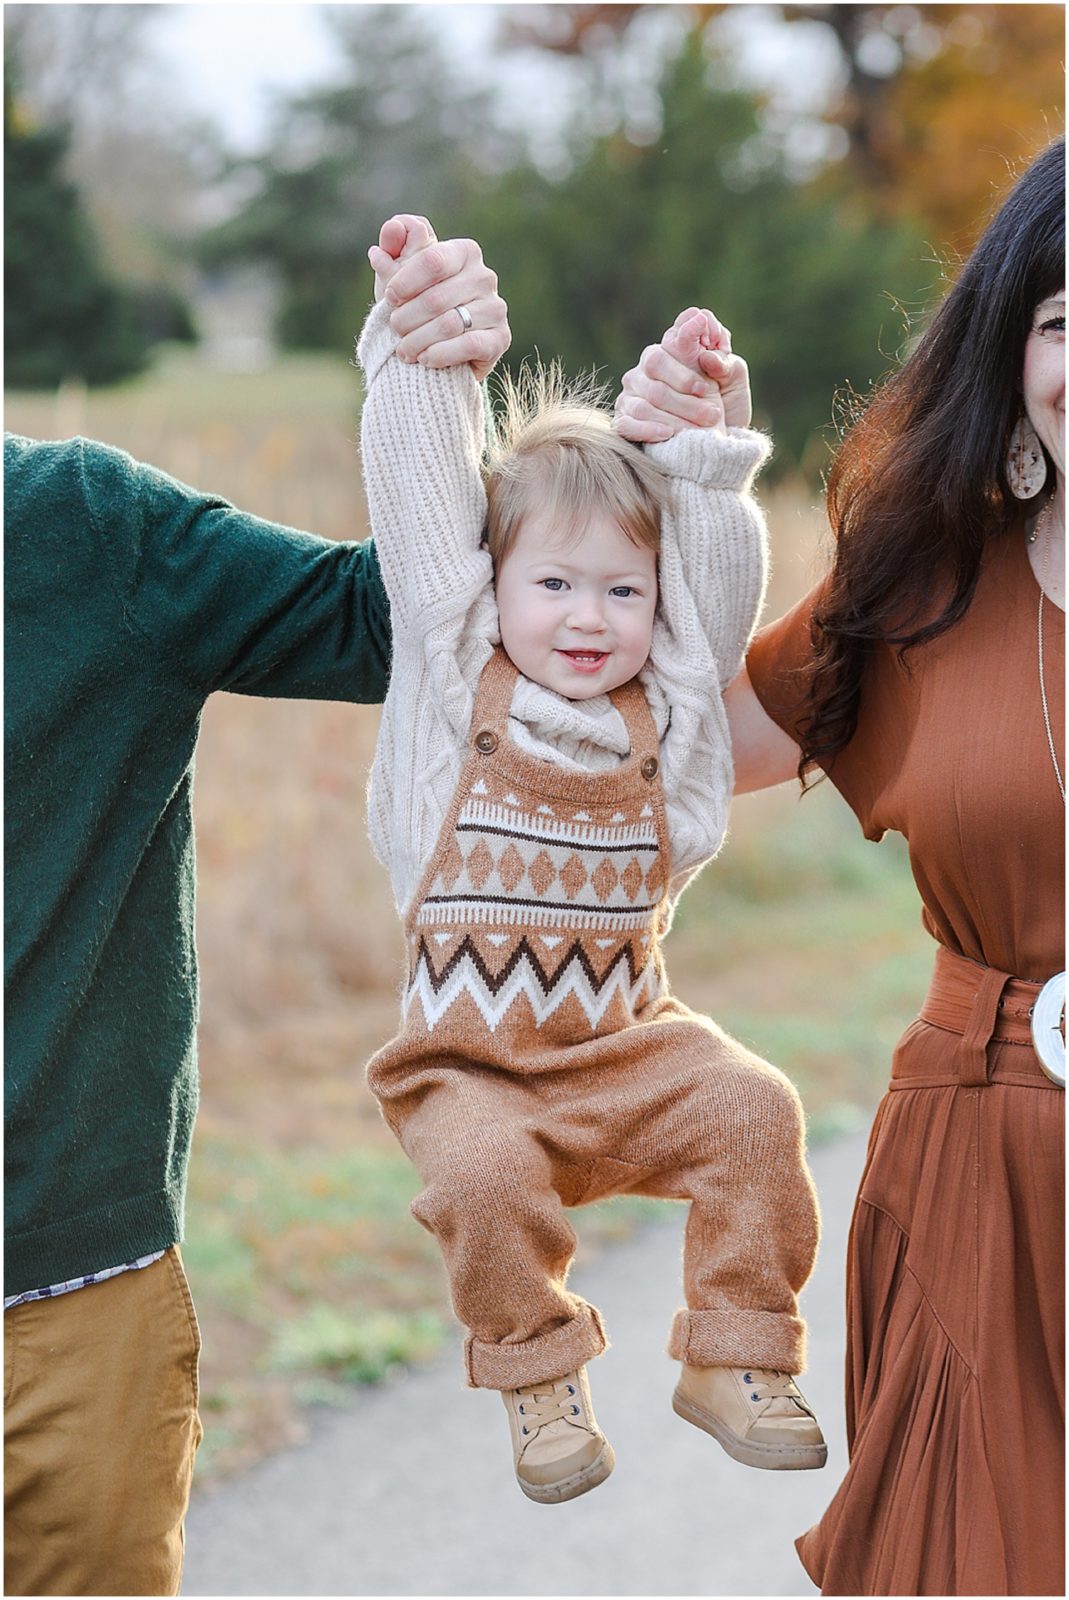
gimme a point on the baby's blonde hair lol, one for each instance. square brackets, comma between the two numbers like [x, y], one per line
[554, 448]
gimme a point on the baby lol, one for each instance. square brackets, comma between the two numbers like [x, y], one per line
[553, 765]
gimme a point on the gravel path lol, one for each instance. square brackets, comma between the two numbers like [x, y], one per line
[409, 1491]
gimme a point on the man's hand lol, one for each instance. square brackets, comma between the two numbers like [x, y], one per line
[428, 283]
[690, 380]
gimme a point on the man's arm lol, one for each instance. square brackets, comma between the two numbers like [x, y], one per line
[231, 601]
[234, 602]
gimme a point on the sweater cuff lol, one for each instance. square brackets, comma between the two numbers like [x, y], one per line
[377, 341]
[717, 460]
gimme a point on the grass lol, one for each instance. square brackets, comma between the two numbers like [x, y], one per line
[308, 1272]
[808, 944]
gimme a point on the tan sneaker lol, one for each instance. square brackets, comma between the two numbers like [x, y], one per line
[560, 1450]
[761, 1418]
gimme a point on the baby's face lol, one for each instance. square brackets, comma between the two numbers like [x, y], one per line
[576, 614]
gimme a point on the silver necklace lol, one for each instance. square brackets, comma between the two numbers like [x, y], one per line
[1032, 537]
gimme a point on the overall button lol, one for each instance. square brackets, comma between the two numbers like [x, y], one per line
[650, 768]
[486, 742]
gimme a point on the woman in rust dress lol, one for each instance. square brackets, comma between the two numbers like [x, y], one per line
[925, 676]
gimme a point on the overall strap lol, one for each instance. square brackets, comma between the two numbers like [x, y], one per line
[630, 701]
[493, 696]
[497, 685]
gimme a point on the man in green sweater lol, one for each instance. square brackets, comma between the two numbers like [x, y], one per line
[129, 599]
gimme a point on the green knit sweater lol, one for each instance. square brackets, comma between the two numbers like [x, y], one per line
[129, 599]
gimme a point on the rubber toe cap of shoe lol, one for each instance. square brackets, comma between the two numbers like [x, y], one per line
[542, 1470]
[786, 1431]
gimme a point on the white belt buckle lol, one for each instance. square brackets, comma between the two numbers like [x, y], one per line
[1048, 1015]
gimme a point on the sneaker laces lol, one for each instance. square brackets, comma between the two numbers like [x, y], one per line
[778, 1391]
[556, 1400]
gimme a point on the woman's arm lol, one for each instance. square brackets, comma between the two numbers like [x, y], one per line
[764, 755]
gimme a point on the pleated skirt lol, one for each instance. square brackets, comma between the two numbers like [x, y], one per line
[955, 1320]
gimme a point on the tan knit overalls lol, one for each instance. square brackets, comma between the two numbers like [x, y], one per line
[542, 1063]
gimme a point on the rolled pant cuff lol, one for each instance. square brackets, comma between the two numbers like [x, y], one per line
[511, 1366]
[770, 1339]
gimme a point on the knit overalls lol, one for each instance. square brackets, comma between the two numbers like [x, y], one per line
[542, 1063]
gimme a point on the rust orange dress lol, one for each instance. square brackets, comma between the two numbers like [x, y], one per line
[955, 1272]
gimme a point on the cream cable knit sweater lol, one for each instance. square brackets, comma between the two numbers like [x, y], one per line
[422, 435]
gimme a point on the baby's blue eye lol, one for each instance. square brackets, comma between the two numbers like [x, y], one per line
[622, 591]
[553, 584]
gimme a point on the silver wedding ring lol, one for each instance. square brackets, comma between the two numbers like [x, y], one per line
[465, 316]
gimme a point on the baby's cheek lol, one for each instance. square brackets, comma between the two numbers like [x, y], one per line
[644, 634]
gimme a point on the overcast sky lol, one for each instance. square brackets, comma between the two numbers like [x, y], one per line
[233, 56]
[230, 57]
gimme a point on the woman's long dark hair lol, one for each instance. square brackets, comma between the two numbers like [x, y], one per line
[919, 483]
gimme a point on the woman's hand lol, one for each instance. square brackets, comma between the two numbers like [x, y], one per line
[690, 380]
[428, 282]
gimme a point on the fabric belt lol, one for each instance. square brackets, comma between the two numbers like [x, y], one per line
[981, 1004]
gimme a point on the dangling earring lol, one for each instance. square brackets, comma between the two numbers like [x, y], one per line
[1026, 465]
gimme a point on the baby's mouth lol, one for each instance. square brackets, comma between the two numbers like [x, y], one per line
[585, 660]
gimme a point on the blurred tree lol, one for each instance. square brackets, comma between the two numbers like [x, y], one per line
[140, 161]
[65, 316]
[596, 264]
[996, 85]
[929, 92]
[396, 133]
[597, 259]
[76, 62]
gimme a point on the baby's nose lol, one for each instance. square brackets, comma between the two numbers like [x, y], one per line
[587, 614]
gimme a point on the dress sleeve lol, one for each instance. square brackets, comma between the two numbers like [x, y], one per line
[780, 664]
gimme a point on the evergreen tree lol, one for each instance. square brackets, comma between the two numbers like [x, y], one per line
[396, 133]
[595, 266]
[64, 317]
[594, 262]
